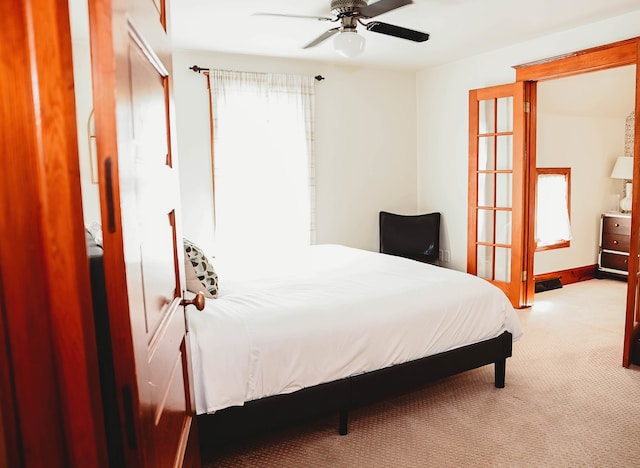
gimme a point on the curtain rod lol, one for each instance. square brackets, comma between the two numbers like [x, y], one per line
[198, 69]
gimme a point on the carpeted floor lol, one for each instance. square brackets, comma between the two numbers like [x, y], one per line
[568, 402]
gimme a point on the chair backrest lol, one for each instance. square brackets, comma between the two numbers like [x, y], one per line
[411, 236]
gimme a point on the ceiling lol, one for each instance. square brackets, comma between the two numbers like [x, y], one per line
[458, 28]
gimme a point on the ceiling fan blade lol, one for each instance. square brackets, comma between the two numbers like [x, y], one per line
[397, 31]
[324, 36]
[319, 18]
[382, 6]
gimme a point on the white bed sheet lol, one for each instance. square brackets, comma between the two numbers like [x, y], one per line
[334, 312]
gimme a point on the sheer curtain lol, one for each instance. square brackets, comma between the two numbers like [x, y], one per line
[264, 169]
[552, 210]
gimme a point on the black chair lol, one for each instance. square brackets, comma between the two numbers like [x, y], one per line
[411, 236]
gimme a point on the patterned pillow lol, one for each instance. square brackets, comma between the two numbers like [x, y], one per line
[201, 277]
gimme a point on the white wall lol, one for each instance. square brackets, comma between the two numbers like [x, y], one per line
[442, 94]
[589, 146]
[365, 144]
[84, 103]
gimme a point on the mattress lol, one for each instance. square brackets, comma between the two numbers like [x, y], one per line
[332, 312]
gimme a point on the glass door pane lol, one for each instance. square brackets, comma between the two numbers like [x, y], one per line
[494, 188]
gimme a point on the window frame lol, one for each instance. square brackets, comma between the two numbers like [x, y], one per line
[566, 172]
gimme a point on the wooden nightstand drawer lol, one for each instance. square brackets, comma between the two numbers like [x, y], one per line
[614, 261]
[616, 225]
[617, 242]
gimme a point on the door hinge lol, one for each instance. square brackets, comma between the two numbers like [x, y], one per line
[527, 107]
[524, 275]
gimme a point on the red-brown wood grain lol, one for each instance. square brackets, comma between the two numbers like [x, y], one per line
[583, 61]
[142, 235]
[50, 388]
[514, 287]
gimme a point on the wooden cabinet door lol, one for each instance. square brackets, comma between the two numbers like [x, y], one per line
[143, 254]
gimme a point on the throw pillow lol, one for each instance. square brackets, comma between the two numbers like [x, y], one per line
[201, 276]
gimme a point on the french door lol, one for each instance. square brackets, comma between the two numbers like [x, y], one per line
[499, 230]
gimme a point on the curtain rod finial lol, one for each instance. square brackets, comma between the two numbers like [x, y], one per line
[198, 69]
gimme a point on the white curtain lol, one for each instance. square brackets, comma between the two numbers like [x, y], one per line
[264, 185]
[552, 210]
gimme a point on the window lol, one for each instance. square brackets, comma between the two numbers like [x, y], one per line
[263, 163]
[553, 226]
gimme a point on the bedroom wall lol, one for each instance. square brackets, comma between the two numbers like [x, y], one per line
[84, 103]
[589, 145]
[365, 144]
[581, 125]
[442, 117]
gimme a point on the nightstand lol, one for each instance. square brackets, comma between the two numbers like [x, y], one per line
[613, 256]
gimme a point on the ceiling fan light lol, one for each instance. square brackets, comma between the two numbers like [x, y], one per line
[348, 43]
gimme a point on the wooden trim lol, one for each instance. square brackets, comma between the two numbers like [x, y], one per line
[572, 275]
[50, 390]
[530, 190]
[597, 58]
[520, 179]
[566, 171]
[632, 316]
[472, 193]
[558, 245]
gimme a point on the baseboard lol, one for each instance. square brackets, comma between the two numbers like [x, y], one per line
[572, 275]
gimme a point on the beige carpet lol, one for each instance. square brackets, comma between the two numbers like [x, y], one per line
[568, 402]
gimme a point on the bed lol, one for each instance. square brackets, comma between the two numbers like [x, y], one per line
[333, 328]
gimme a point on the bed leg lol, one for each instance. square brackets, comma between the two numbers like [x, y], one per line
[343, 428]
[501, 367]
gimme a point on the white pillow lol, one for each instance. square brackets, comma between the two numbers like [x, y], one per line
[201, 276]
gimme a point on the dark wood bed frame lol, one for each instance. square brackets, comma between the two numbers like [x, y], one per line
[258, 416]
[407, 236]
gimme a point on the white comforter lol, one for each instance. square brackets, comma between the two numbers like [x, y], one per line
[334, 312]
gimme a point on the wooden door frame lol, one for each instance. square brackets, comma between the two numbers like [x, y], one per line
[49, 383]
[604, 57]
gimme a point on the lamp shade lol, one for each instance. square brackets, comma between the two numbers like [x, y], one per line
[348, 43]
[623, 168]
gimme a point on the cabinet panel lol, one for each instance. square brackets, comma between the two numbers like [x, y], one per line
[614, 261]
[615, 242]
[616, 224]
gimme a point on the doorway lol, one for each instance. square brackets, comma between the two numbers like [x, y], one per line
[581, 123]
[600, 58]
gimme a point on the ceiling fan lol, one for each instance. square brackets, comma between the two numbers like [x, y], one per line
[351, 12]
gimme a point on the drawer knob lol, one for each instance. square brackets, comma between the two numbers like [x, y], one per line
[617, 225]
[615, 241]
